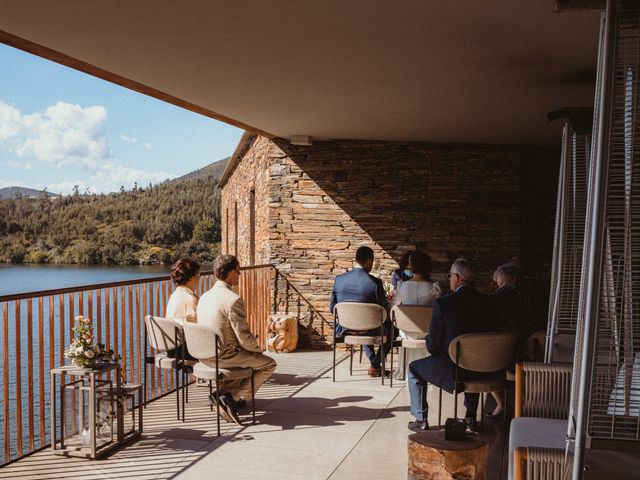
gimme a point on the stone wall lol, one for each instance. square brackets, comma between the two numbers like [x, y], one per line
[252, 173]
[489, 203]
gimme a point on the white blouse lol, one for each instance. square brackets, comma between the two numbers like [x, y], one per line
[182, 305]
[411, 292]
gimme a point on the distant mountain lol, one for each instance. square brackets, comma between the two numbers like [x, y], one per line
[12, 192]
[214, 169]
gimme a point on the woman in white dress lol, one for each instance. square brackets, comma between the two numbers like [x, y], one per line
[419, 290]
[183, 302]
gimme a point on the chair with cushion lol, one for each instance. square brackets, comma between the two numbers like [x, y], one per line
[359, 317]
[165, 336]
[481, 353]
[203, 344]
[538, 433]
[414, 321]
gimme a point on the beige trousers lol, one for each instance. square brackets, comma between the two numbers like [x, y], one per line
[241, 388]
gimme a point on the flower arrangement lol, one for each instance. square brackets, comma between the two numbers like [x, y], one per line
[83, 352]
[388, 290]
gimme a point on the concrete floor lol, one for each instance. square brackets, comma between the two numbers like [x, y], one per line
[307, 427]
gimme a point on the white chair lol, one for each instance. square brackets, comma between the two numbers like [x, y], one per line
[166, 335]
[485, 352]
[203, 344]
[358, 317]
[413, 320]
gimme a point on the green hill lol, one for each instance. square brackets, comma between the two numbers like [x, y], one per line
[13, 192]
[142, 226]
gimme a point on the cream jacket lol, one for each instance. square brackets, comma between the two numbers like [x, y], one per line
[223, 310]
[182, 305]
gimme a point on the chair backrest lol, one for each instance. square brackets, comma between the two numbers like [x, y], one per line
[359, 316]
[412, 318]
[485, 351]
[534, 346]
[200, 340]
[161, 333]
[543, 390]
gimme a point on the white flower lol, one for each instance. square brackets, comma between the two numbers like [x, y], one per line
[89, 354]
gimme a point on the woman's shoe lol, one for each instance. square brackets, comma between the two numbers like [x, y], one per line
[494, 415]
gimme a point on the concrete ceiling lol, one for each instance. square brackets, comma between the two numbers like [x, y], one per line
[459, 71]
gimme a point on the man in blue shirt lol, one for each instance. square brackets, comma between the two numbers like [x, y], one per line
[358, 285]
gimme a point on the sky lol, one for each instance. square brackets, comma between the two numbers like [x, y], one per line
[60, 127]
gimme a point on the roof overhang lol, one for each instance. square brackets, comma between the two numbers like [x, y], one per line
[465, 71]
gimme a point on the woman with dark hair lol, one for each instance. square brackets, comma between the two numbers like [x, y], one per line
[417, 290]
[185, 274]
[403, 273]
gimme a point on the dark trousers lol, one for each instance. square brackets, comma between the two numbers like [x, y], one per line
[374, 355]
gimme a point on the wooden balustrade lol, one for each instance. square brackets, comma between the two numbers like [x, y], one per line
[36, 328]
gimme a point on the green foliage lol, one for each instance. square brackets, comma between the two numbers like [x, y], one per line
[149, 225]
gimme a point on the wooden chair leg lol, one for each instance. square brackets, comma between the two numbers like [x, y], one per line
[455, 403]
[334, 360]
[351, 352]
[361, 348]
[482, 411]
[440, 410]
[384, 364]
[391, 368]
[178, 391]
[253, 396]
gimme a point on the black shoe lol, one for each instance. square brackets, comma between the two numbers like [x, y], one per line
[220, 408]
[418, 426]
[242, 403]
[493, 417]
[231, 407]
[472, 424]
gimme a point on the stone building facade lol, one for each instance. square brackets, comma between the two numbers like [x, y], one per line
[314, 206]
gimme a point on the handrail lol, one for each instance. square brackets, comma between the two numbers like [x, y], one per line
[35, 328]
[95, 286]
[300, 296]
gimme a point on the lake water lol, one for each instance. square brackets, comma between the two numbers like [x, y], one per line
[32, 278]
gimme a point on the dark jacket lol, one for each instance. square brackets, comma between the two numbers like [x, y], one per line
[357, 286]
[465, 311]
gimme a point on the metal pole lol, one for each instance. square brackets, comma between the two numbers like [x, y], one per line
[594, 250]
[559, 238]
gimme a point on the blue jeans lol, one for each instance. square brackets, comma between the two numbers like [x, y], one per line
[418, 396]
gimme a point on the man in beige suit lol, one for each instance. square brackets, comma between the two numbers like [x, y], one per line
[223, 310]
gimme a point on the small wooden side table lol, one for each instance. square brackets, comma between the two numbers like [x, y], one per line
[433, 457]
[88, 381]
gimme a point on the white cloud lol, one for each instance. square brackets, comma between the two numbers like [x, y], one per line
[23, 165]
[67, 135]
[109, 177]
[63, 134]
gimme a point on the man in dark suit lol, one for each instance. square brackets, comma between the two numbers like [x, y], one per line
[358, 285]
[464, 311]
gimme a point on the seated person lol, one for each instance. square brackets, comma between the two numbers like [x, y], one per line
[418, 290]
[518, 309]
[183, 302]
[403, 273]
[464, 311]
[357, 285]
[223, 310]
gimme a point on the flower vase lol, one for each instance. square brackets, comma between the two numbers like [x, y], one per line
[86, 437]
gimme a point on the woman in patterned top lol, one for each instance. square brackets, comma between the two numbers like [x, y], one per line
[518, 309]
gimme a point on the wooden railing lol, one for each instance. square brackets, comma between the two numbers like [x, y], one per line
[36, 328]
[288, 299]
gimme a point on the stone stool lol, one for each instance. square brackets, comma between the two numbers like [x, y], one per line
[431, 457]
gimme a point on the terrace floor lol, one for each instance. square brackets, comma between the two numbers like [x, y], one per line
[307, 427]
